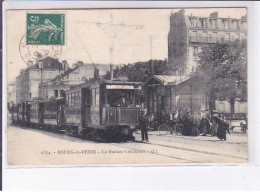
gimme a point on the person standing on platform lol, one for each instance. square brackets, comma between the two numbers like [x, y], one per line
[144, 124]
[222, 128]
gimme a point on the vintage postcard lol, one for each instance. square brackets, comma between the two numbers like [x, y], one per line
[126, 86]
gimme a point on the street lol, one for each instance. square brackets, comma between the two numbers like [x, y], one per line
[28, 146]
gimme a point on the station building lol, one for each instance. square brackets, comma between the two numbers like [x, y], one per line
[167, 93]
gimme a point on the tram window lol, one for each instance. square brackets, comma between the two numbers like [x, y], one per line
[79, 98]
[69, 99]
[94, 96]
[89, 98]
[97, 96]
[76, 99]
[72, 99]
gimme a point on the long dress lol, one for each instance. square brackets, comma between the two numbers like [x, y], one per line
[222, 129]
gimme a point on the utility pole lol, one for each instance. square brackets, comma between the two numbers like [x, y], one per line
[151, 52]
[112, 30]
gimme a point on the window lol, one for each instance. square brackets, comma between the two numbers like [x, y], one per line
[222, 38]
[56, 93]
[193, 36]
[97, 96]
[226, 24]
[79, 99]
[75, 99]
[210, 37]
[213, 23]
[242, 25]
[203, 22]
[192, 22]
[238, 36]
[195, 51]
[235, 25]
[72, 99]
[204, 36]
[215, 36]
[228, 36]
[68, 99]
[94, 96]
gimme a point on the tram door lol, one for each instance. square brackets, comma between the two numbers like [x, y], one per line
[86, 105]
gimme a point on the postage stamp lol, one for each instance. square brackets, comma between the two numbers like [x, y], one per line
[45, 29]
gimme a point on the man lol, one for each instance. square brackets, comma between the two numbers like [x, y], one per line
[204, 122]
[122, 102]
[215, 123]
[144, 124]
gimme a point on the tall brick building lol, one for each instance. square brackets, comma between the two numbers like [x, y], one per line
[189, 33]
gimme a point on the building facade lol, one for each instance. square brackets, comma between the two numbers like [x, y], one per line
[29, 79]
[79, 73]
[189, 33]
[11, 93]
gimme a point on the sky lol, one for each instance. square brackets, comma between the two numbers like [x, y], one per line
[85, 40]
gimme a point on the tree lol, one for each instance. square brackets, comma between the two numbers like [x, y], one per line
[141, 71]
[224, 67]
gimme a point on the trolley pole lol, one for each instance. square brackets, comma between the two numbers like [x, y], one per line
[112, 30]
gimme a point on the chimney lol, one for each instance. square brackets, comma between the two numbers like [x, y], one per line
[65, 65]
[111, 73]
[96, 73]
[214, 15]
[29, 63]
[41, 64]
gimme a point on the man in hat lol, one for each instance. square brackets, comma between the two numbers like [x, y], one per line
[144, 124]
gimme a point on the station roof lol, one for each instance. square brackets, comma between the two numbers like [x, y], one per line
[167, 80]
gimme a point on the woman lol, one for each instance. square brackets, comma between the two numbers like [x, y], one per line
[222, 128]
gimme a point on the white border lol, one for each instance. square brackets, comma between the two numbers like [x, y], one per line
[118, 178]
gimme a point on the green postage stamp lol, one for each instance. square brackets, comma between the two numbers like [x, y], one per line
[45, 29]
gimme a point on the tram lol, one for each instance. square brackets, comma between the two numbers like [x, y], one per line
[98, 110]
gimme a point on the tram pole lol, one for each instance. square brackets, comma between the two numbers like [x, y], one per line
[112, 30]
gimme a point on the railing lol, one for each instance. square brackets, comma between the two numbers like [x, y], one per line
[208, 39]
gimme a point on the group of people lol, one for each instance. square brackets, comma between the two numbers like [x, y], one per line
[215, 125]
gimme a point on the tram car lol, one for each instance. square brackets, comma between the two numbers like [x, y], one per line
[18, 114]
[102, 110]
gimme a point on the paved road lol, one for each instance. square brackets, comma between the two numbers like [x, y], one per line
[37, 147]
